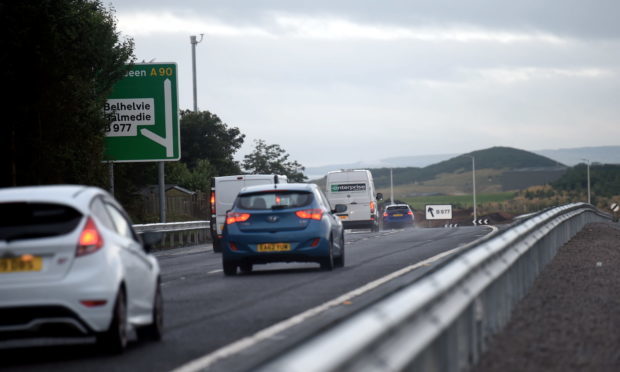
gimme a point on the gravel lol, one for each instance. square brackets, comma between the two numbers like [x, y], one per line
[570, 319]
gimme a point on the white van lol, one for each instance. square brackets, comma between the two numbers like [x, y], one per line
[355, 189]
[223, 194]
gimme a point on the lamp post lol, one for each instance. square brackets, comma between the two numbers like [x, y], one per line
[473, 177]
[588, 176]
[193, 41]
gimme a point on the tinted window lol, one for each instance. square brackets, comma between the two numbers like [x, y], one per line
[398, 208]
[274, 200]
[36, 220]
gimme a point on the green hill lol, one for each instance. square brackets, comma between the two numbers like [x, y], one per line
[497, 158]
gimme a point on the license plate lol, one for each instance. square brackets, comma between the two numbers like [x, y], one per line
[343, 217]
[398, 215]
[274, 247]
[20, 264]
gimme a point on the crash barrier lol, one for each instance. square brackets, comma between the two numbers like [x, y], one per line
[179, 234]
[444, 321]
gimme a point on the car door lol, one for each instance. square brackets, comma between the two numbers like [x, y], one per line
[137, 268]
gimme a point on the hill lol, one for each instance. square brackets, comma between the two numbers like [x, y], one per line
[504, 159]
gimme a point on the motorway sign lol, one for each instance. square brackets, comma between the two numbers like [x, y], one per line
[438, 212]
[144, 110]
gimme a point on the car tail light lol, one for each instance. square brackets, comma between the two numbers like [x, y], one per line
[315, 214]
[233, 246]
[315, 242]
[385, 214]
[212, 200]
[232, 217]
[90, 239]
[372, 207]
[410, 213]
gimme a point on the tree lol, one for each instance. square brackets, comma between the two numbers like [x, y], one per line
[272, 159]
[60, 59]
[205, 137]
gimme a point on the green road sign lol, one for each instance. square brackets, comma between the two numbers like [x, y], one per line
[144, 110]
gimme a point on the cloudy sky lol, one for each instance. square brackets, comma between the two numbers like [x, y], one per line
[358, 80]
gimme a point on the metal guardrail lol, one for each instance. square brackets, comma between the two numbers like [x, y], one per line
[443, 322]
[179, 234]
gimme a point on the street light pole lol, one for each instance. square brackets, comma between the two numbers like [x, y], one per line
[193, 41]
[473, 177]
[588, 175]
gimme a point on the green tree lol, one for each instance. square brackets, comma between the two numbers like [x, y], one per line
[205, 137]
[272, 159]
[60, 59]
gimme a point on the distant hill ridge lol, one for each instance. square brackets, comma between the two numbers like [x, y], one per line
[500, 158]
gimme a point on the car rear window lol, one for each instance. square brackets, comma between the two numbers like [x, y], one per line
[274, 200]
[21, 220]
[398, 208]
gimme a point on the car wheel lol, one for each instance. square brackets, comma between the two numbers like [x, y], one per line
[246, 267]
[327, 263]
[339, 261]
[155, 330]
[230, 268]
[114, 340]
[375, 227]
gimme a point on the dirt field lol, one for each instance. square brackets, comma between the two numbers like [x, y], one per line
[570, 319]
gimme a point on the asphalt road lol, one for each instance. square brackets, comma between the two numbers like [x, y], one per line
[206, 313]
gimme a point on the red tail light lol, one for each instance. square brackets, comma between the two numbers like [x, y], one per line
[410, 213]
[93, 303]
[212, 200]
[315, 214]
[232, 217]
[372, 207]
[90, 239]
[385, 214]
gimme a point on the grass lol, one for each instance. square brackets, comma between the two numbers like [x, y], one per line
[458, 201]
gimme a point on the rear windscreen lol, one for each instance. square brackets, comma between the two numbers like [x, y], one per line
[36, 220]
[274, 200]
[398, 208]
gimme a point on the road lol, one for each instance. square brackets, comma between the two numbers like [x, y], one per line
[208, 313]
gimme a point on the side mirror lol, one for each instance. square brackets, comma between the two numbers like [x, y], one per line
[150, 238]
[340, 208]
[379, 196]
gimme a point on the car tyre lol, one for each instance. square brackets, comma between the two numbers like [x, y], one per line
[327, 263]
[114, 340]
[230, 268]
[375, 227]
[155, 330]
[339, 261]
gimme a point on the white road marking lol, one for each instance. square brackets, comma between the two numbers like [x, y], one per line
[269, 332]
[215, 271]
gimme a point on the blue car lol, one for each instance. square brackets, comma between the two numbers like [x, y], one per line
[282, 223]
[397, 215]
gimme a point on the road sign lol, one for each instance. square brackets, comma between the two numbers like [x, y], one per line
[438, 212]
[615, 207]
[144, 110]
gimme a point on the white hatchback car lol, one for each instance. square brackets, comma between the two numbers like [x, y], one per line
[72, 265]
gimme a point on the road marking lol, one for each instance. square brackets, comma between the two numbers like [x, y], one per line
[215, 271]
[269, 332]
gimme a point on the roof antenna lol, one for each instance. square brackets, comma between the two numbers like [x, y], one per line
[275, 181]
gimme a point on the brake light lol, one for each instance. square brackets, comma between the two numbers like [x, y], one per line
[385, 214]
[212, 200]
[410, 213]
[315, 214]
[232, 217]
[90, 239]
[372, 207]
